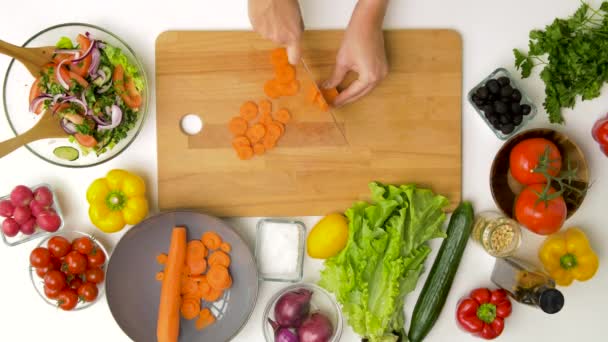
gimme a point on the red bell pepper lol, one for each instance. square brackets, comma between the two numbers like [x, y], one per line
[483, 312]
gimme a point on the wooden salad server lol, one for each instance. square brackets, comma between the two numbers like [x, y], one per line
[33, 58]
[47, 127]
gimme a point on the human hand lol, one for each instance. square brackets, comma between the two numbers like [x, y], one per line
[279, 21]
[362, 51]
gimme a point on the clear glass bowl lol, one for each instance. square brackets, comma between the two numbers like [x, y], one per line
[500, 72]
[261, 248]
[321, 301]
[39, 283]
[20, 237]
[18, 81]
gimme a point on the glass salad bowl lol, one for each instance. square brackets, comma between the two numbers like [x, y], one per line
[17, 84]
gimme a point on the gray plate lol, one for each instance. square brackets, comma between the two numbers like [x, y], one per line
[133, 293]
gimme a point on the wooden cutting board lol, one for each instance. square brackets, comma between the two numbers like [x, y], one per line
[408, 130]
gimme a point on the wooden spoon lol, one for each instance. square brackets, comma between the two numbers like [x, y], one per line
[47, 127]
[33, 58]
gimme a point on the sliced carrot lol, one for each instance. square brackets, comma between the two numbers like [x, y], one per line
[190, 308]
[195, 257]
[249, 110]
[282, 115]
[272, 88]
[313, 93]
[278, 57]
[204, 288]
[258, 149]
[240, 141]
[199, 278]
[237, 126]
[281, 126]
[266, 119]
[330, 95]
[213, 295]
[160, 276]
[285, 73]
[322, 104]
[205, 319]
[265, 106]
[211, 240]
[225, 246]
[273, 131]
[244, 152]
[289, 89]
[218, 277]
[256, 132]
[269, 143]
[161, 259]
[189, 286]
[185, 271]
[219, 258]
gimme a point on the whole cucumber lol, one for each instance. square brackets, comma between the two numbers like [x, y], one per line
[438, 284]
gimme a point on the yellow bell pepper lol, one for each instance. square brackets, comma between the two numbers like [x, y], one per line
[117, 200]
[567, 256]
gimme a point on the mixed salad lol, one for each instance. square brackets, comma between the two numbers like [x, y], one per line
[93, 88]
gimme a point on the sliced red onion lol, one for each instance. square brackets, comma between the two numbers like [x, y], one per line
[87, 110]
[116, 119]
[38, 100]
[68, 126]
[60, 79]
[95, 60]
[58, 97]
[100, 121]
[86, 54]
[74, 99]
[104, 88]
[101, 74]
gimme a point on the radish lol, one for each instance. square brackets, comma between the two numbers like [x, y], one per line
[43, 196]
[21, 196]
[48, 220]
[29, 227]
[6, 208]
[22, 214]
[36, 207]
[10, 227]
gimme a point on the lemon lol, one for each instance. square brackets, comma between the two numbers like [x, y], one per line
[328, 237]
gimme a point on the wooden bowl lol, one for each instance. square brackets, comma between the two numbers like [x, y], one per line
[505, 188]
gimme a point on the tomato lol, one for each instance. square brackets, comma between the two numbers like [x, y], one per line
[600, 131]
[85, 140]
[51, 294]
[94, 275]
[96, 258]
[40, 257]
[83, 245]
[55, 280]
[67, 299]
[82, 68]
[36, 91]
[540, 217]
[59, 57]
[77, 263]
[76, 77]
[75, 283]
[524, 159]
[59, 246]
[56, 264]
[88, 292]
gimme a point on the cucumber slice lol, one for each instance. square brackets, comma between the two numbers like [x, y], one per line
[66, 152]
[99, 81]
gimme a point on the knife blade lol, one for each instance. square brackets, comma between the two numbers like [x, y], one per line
[333, 116]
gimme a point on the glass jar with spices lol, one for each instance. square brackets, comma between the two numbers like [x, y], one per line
[499, 236]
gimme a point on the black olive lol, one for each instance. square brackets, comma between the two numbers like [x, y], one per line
[477, 101]
[506, 91]
[492, 97]
[500, 107]
[497, 125]
[516, 96]
[515, 108]
[503, 81]
[488, 109]
[507, 128]
[493, 119]
[504, 119]
[525, 109]
[517, 119]
[493, 86]
[482, 92]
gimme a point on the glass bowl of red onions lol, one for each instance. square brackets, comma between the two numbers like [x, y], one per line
[302, 312]
[81, 146]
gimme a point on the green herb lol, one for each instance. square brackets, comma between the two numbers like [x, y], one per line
[574, 53]
[64, 43]
[84, 129]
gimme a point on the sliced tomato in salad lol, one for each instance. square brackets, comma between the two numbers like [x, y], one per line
[85, 140]
[36, 91]
[79, 79]
[130, 95]
[82, 68]
[59, 57]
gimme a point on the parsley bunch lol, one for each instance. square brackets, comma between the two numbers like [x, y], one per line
[576, 61]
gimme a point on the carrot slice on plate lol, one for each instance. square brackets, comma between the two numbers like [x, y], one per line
[189, 286]
[213, 295]
[282, 115]
[249, 110]
[161, 258]
[258, 149]
[289, 89]
[225, 246]
[219, 258]
[285, 73]
[278, 57]
[218, 277]
[211, 240]
[265, 106]
[256, 132]
[190, 308]
[237, 126]
[240, 141]
[272, 89]
[160, 276]
[205, 319]
[195, 257]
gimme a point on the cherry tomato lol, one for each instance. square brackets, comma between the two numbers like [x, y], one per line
[85, 140]
[51, 294]
[40, 257]
[96, 258]
[59, 246]
[600, 131]
[75, 283]
[540, 217]
[88, 292]
[67, 299]
[524, 159]
[54, 280]
[77, 263]
[83, 245]
[95, 275]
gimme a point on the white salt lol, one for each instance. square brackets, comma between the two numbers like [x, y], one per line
[279, 249]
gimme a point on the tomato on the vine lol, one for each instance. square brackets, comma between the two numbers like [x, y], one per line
[83, 245]
[54, 280]
[59, 246]
[51, 294]
[94, 275]
[75, 283]
[96, 258]
[40, 257]
[67, 299]
[88, 292]
[525, 157]
[77, 263]
[541, 216]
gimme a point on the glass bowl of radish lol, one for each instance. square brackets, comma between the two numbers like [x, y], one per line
[28, 213]
[94, 86]
[302, 312]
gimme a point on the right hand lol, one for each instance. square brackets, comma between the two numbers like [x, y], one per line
[279, 21]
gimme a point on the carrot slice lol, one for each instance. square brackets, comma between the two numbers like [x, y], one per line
[237, 126]
[281, 126]
[195, 257]
[282, 115]
[273, 131]
[198, 278]
[256, 132]
[211, 240]
[265, 106]
[161, 258]
[160, 276]
[330, 95]
[189, 286]
[258, 149]
[269, 143]
[218, 277]
[285, 73]
[278, 57]
[213, 295]
[204, 288]
[244, 152]
[204, 320]
[289, 89]
[313, 93]
[190, 308]
[266, 119]
[240, 141]
[322, 104]
[219, 258]
[272, 88]
[249, 110]
[225, 246]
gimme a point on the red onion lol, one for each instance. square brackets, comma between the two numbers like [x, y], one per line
[85, 54]
[101, 121]
[58, 97]
[68, 126]
[74, 99]
[316, 328]
[95, 60]
[282, 334]
[292, 308]
[38, 100]
[116, 119]
[60, 79]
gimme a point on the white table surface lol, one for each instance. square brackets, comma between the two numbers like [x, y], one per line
[490, 30]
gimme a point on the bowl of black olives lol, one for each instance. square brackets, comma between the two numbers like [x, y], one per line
[501, 104]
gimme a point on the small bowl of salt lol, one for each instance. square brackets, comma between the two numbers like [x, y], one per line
[279, 250]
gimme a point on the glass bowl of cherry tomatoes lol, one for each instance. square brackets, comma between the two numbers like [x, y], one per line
[67, 270]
